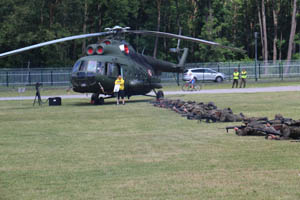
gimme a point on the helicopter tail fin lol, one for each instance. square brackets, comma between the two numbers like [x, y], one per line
[181, 63]
[183, 57]
[177, 50]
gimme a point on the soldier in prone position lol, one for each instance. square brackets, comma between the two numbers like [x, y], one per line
[279, 128]
[199, 111]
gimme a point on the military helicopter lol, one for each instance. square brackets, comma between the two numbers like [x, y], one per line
[97, 71]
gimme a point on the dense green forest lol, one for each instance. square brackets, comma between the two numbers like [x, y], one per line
[230, 22]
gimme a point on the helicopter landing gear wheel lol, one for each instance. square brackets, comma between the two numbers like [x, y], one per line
[159, 95]
[101, 101]
[95, 100]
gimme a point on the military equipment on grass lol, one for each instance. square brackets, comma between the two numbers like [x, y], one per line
[234, 127]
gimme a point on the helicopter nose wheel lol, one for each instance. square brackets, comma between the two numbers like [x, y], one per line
[95, 100]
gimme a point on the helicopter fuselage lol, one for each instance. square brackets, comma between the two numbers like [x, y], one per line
[107, 60]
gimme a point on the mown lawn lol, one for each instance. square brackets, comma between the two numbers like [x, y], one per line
[137, 151]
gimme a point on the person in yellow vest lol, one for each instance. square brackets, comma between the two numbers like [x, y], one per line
[119, 89]
[243, 78]
[236, 76]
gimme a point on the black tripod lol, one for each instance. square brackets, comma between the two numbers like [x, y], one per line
[37, 94]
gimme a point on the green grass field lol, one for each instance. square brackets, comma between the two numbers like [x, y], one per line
[228, 84]
[137, 151]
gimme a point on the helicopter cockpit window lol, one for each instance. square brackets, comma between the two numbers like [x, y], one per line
[112, 69]
[88, 66]
[83, 66]
[76, 66]
[100, 68]
[91, 67]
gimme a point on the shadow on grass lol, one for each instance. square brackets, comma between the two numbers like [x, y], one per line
[108, 103]
[29, 106]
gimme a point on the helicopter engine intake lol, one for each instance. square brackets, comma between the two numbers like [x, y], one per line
[100, 50]
[90, 50]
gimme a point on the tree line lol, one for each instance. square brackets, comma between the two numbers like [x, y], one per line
[229, 22]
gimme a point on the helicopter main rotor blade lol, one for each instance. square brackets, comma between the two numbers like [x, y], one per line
[170, 35]
[55, 41]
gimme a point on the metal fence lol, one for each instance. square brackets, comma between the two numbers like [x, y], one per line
[61, 76]
[256, 70]
[46, 76]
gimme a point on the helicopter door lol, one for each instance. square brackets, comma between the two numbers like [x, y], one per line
[112, 70]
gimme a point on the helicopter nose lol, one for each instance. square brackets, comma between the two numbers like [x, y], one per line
[83, 79]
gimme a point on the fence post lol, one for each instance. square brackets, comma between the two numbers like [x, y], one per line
[29, 78]
[255, 36]
[259, 70]
[42, 81]
[255, 71]
[6, 79]
[281, 71]
[218, 67]
[51, 78]
[229, 74]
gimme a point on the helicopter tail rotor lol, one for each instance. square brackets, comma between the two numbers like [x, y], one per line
[177, 49]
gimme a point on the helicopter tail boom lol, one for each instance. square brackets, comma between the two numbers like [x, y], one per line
[163, 66]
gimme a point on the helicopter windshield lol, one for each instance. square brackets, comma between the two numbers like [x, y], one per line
[89, 66]
[93, 66]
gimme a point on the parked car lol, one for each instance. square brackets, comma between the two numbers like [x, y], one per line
[203, 74]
